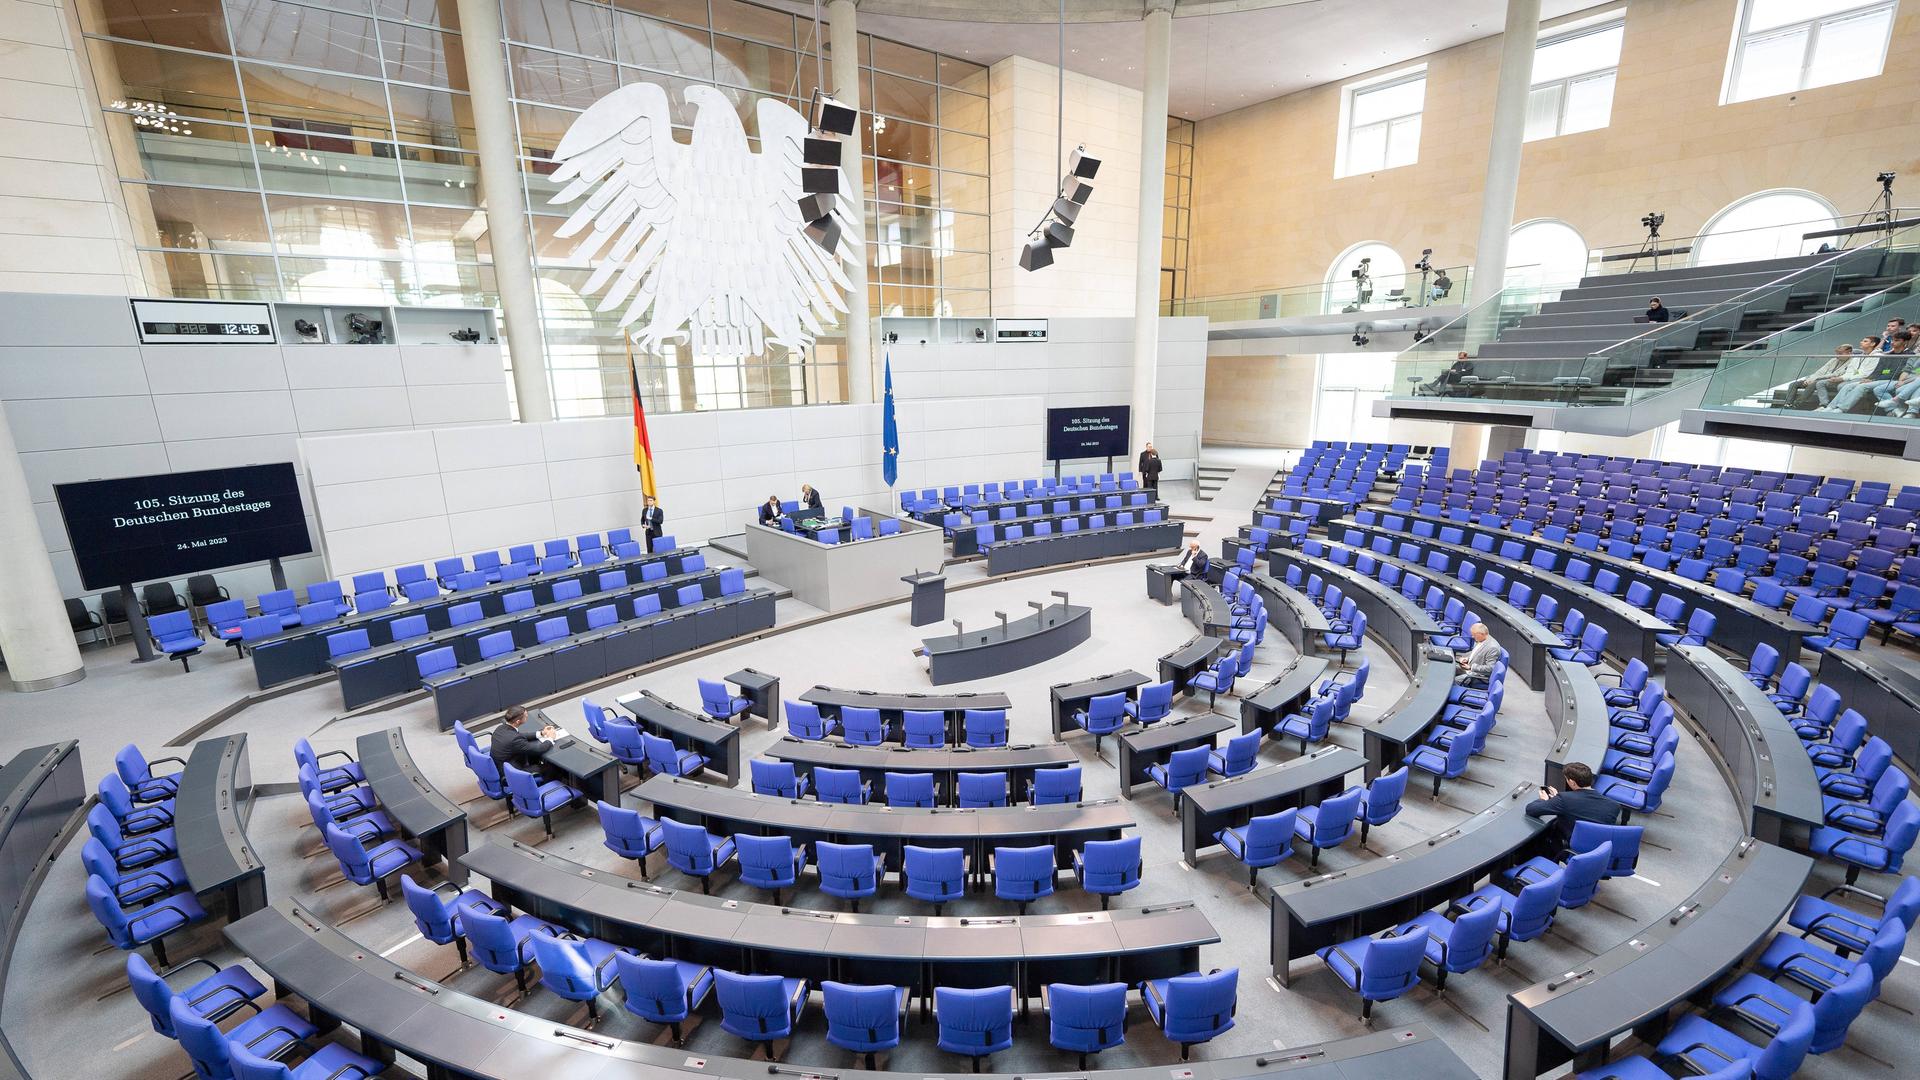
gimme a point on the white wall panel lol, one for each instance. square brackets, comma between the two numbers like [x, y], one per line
[80, 371]
[590, 476]
[73, 423]
[569, 439]
[374, 547]
[379, 502]
[317, 411]
[319, 367]
[441, 365]
[498, 528]
[480, 403]
[489, 489]
[219, 416]
[51, 467]
[488, 447]
[204, 369]
[348, 459]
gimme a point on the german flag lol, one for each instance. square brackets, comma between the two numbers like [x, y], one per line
[642, 446]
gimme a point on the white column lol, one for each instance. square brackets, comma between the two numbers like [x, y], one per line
[1503, 151]
[34, 632]
[1153, 197]
[842, 32]
[498, 146]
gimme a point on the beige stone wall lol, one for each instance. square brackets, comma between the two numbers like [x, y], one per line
[1259, 400]
[63, 226]
[1268, 211]
[1095, 275]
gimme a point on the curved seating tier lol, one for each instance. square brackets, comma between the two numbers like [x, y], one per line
[41, 790]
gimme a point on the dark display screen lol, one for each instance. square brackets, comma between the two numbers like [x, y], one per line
[200, 329]
[1088, 432]
[143, 528]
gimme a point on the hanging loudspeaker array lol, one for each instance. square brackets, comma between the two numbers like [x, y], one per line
[1056, 228]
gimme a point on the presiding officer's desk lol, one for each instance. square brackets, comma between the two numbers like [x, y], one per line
[41, 791]
[1883, 682]
[715, 740]
[456, 1035]
[1282, 695]
[1027, 951]
[1346, 904]
[1141, 747]
[894, 707]
[1773, 779]
[977, 830]
[1205, 809]
[1517, 631]
[1402, 625]
[1672, 963]
[1579, 714]
[1068, 697]
[850, 573]
[394, 668]
[1033, 552]
[873, 762]
[1182, 664]
[1740, 622]
[1010, 646]
[1630, 631]
[1290, 612]
[435, 821]
[300, 651]
[210, 814]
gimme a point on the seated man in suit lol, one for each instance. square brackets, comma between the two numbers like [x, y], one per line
[1578, 803]
[770, 512]
[1477, 666]
[512, 746]
[1193, 563]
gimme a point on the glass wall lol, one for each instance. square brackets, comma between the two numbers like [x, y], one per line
[926, 182]
[324, 150]
[1176, 223]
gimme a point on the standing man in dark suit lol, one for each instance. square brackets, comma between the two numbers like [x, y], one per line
[654, 520]
[1578, 803]
[770, 512]
[511, 746]
[1149, 467]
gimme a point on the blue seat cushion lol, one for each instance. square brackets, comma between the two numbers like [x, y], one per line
[259, 1035]
[1346, 959]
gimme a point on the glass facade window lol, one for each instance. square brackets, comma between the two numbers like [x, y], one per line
[1382, 124]
[1573, 76]
[1176, 222]
[1785, 46]
[324, 150]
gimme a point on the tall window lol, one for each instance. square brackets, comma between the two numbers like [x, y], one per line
[1349, 384]
[1573, 77]
[1383, 124]
[1769, 225]
[1789, 45]
[1545, 252]
[1363, 277]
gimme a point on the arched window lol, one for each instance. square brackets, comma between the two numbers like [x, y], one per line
[1765, 225]
[1545, 252]
[1385, 271]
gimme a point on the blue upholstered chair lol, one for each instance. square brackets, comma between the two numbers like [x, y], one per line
[769, 862]
[148, 925]
[934, 874]
[862, 726]
[1264, 841]
[1523, 916]
[537, 798]
[974, 1022]
[365, 865]
[1328, 824]
[908, 789]
[1049, 786]
[1454, 945]
[1377, 968]
[1194, 1008]
[805, 722]
[849, 871]
[1238, 757]
[864, 1019]
[760, 1008]
[439, 918]
[1181, 770]
[1024, 874]
[629, 833]
[840, 786]
[985, 727]
[1153, 705]
[1108, 868]
[923, 728]
[668, 760]
[1103, 716]
[777, 778]
[213, 998]
[981, 789]
[173, 634]
[576, 968]
[721, 703]
[1085, 1020]
[695, 851]
[662, 991]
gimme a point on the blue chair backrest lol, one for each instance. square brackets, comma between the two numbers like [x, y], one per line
[753, 1006]
[206, 1045]
[1392, 966]
[1110, 865]
[462, 614]
[1583, 874]
[924, 728]
[495, 644]
[1086, 1019]
[1335, 823]
[430, 914]
[837, 785]
[623, 830]
[861, 726]
[688, 846]
[1241, 752]
[1020, 871]
[1470, 941]
[1187, 767]
[765, 861]
[1270, 836]
[1059, 785]
[977, 1021]
[1383, 796]
[933, 873]
[985, 727]
[909, 789]
[845, 869]
[487, 772]
[1201, 1006]
[1532, 911]
[1156, 701]
[981, 789]
[491, 941]
[654, 989]
[861, 1018]
[774, 778]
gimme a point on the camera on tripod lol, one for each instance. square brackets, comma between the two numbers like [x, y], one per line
[1653, 221]
[1425, 265]
[1360, 271]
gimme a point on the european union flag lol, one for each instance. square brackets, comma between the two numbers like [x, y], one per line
[889, 432]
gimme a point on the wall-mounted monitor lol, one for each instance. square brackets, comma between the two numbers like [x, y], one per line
[1091, 431]
[144, 528]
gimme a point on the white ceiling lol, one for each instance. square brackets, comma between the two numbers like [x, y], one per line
[1226, 61]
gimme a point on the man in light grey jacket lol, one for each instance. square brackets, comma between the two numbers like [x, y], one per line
[1477, 666]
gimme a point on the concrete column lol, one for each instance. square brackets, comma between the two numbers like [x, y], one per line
[34, 632]
[1153, 197]
[1503, 151]
[499, 154]
[842, 33]
[1467, 446]
[1504, 437]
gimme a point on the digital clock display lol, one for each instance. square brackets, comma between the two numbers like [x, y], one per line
[187, 329]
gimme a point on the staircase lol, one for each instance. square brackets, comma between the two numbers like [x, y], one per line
[1733, 305]
[1208, 479]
